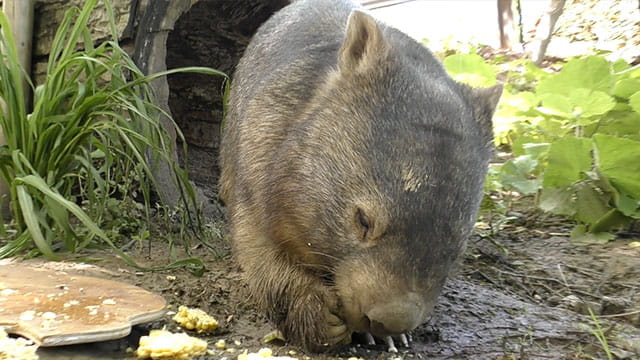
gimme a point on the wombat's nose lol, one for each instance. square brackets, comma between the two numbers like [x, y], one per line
[397, 316]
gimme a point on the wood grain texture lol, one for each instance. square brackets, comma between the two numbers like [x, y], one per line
[58, 308]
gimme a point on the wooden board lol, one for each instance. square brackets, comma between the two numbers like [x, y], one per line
[58, 308]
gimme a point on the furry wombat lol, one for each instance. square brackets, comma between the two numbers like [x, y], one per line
[352, 169]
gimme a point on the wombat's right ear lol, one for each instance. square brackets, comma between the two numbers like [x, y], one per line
[484, 101]
[363, 43]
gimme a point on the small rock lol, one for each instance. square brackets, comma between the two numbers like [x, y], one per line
[580, 306]
[614, 305]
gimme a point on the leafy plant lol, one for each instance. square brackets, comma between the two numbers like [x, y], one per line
[575, 139]
[87, 141]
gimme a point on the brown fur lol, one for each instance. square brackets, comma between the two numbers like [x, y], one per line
[325, 193]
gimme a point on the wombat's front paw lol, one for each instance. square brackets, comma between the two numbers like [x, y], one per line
[314, 323]
[337, 331]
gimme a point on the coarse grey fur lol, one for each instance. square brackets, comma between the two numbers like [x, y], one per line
[352, 169]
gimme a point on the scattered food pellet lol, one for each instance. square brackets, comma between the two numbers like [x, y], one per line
[264, 353]
[171, 278]
[93, 309]
[71, 303]
[195, 319]
[221, 344]
[7, 292]
[274, 335]
[18, 348]
[28, 315]
[162, 344]
[49, 315]
[108, 302]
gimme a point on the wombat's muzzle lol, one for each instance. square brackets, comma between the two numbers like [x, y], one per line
[377, 302]
[397, 316]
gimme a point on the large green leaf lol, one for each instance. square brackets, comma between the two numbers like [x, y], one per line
[581, 103]
[619, 160]
[558, 201]
[556, 104]
[591, 204]
[628, 206]
[626, 87]
[589, 103]
[580, 236]
[516, 174]
[568, 159]
[470, 69]
[593, 72]
[634, 102]
[620, 65]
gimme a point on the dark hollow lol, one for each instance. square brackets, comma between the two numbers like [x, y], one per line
[212, 33]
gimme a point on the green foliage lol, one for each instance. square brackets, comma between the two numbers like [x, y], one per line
[574, 136]
[516, 174]
[470, 69]
[82, 151]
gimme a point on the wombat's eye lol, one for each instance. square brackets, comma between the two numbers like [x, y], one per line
[364, 223]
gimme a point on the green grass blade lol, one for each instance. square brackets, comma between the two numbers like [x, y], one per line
[41, 185]
[32, 222]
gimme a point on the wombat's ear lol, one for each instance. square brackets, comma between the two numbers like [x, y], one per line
[363, 43]
[484, 101]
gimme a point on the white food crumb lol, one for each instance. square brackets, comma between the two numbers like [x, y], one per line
[264, 353]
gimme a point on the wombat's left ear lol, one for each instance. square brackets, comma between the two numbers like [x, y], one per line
[484, 101]
[364, 43]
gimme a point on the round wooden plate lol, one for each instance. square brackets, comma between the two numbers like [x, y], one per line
[58, 308]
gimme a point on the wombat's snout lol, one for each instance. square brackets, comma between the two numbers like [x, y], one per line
[397, 316]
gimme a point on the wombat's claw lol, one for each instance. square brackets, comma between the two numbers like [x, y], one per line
[390, 344]
[405, 340]
[370, 339]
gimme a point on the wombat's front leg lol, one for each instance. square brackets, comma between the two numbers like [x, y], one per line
[312, 317]
[303, 308]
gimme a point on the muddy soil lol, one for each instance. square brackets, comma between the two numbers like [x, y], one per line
[525, 294]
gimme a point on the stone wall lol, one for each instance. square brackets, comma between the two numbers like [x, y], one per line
[49, 14]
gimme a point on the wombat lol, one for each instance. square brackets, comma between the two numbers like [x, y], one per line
[352, 170]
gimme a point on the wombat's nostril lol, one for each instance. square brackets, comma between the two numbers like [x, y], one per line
[397, 316]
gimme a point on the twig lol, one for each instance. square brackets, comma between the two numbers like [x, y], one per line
[634, 312]
[548, 279]
[562, 276]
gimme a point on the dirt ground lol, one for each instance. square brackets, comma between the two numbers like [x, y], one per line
[525, 298]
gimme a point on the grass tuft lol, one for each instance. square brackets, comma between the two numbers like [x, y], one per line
[88, 140]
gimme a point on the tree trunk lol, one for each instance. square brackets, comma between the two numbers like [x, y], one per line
[505, 24]
[537, 48]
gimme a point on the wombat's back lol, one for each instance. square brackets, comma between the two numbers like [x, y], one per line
[281, 69]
